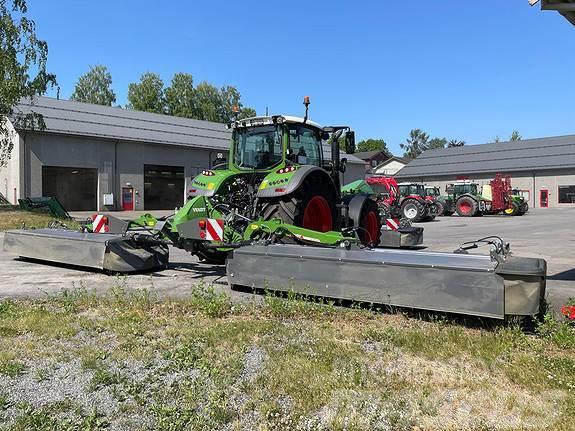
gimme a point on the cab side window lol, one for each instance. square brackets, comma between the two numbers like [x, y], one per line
[305, 145]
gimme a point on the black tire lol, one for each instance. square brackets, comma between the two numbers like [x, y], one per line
[514, 209]
[369, 209]
[290, 209]
[448, 213]
[465, 202]
[413, 210]
[440, 208]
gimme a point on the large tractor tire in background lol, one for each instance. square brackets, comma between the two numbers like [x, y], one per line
[466, 206]
[312, 206]
[413, 210]
[440, 208]
[513, 209]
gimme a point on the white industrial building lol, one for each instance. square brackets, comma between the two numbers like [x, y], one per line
[94, 157]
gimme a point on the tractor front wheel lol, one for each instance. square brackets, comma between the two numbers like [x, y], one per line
[467, 207]
[369, 223]
[413, 210]
[513, 209]
[312, 207]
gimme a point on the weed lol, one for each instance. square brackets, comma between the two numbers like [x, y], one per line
[44, 420]
[561, 333]
[11, 368]
[210, 302]
[104, 377]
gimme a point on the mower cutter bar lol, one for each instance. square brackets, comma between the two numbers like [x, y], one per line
[107, 252]
[455, 283]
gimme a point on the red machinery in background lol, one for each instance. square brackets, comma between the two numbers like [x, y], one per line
[406, 200]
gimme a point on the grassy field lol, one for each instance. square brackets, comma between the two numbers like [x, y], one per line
[130, 360]
[19, 219]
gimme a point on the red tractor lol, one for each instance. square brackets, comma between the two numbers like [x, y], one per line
[405, 200]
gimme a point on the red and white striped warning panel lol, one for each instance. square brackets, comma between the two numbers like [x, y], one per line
[100, 223]
[214, 229]
[392, 224]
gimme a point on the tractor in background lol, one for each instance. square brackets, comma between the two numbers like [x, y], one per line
[444, 203]
[404, 201]
[467, 198]
[494, 198]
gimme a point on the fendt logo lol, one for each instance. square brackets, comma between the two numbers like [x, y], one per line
[199, 210]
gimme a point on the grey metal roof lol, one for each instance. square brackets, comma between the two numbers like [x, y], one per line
[564, 7]
[366, 155]
[85, 119]
[525, 155]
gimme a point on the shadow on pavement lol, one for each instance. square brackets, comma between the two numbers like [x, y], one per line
[200, 270]
[568, 275]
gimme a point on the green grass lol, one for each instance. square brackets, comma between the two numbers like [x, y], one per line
[203, 362]
[27, 219]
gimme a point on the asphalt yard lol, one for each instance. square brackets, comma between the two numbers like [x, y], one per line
[545, 233]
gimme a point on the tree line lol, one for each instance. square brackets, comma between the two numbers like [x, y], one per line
[181, 98]
[418, 142]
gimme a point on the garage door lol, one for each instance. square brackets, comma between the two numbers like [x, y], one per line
[75, 188]
[163, 187]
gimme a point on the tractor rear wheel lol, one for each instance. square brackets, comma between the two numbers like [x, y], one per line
[413, 210]
[312, 206]
[466, 206]
[513, 209]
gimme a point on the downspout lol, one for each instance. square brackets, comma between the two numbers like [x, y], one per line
[533, 188]
[116, 182]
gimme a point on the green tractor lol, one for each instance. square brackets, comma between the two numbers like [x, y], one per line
[277, 170]
[496, 197]
[519, 203]
[444, 203]
[467, 199]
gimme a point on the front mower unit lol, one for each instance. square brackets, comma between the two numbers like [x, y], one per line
[106, 252]
[446, 282]
[404, 237]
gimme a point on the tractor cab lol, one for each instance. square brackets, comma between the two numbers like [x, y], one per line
[264, 143]
[462, 187]
[411, 189]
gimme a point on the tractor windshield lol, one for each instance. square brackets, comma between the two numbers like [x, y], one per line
[465, 188]
[432, 191]
[257, 147]
[411, 189]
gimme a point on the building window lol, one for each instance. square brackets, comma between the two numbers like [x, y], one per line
[567, 194]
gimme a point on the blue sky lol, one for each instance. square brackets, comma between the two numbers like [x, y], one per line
[459, 69]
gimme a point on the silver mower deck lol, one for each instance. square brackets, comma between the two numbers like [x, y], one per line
[457, 283]
[107, 252]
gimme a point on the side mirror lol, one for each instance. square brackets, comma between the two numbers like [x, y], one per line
[324, 136]
[350, 142]
[343, 165]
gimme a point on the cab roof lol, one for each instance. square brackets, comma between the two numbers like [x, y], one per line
[265, 120]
